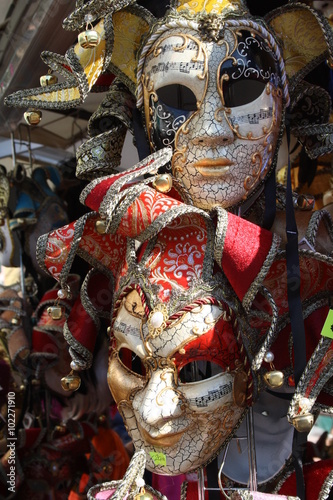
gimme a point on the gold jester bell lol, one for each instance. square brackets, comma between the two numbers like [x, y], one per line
[143, 495]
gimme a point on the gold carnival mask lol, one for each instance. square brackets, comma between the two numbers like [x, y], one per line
[179, 384]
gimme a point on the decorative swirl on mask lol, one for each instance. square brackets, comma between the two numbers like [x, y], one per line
[157, 321]
[179, 156]
[252, 180]
[172, 124]
[179, 397]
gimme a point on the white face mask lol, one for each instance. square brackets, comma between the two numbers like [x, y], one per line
[177, 411]
[219, 106]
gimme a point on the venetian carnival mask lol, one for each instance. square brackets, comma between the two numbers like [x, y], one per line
[219, 104]
[214, 88]
[179, 382]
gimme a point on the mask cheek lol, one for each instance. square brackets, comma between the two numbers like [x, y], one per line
[257, 119]
[213, 393]
[121, 382]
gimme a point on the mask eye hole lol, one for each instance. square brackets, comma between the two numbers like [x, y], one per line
[177, 96]
[239, 93]
[247, 70]
[197, 371]
[131, 361]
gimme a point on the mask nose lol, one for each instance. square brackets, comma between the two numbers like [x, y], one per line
[209, 126]
[160, 401]
[213, 141]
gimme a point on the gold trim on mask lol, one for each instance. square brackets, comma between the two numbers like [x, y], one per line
[149, 88]
[127, 382]
[148, 91]
[160, 312]
[133, 305]
[251, 180]
[212, 6]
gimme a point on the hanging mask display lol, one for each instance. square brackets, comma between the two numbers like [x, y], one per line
[180, 338]
[195, 296]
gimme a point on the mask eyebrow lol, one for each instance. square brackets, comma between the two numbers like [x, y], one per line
[210, 300]
[134, 308]
[134, 301]
[217, 346]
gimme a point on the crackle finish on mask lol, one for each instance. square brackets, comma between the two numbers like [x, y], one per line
[219, 105]
[180, 416]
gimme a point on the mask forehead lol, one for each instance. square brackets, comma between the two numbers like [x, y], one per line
[178, 57]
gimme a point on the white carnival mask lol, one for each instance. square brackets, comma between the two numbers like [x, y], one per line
[219, 105]
[176, 410]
